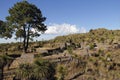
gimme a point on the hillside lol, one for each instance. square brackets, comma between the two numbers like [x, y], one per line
[98, 35]
[88, 56]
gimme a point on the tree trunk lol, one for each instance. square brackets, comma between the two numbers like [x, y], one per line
[27, 38]
[24, 41]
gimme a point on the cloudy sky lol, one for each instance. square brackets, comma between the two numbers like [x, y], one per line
[71, 16]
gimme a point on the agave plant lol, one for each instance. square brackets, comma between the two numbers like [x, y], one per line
[39, 70]
[4, 60]
[25, 71]
[43, 70]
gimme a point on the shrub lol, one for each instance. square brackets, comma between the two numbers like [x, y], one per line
[61, 72]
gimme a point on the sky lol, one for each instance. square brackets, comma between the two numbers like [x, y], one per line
[71, 16]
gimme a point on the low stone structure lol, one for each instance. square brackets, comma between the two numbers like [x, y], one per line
[25, 58]
[49, 51]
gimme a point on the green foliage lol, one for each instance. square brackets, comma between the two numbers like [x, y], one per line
[5, 30]
[61, 72]
[91, 46]
[26, 18]
[43, 69]
[2, 28]
[25, 71]
[40, 70]
[70, 50]
[20, 33]
[4, 59]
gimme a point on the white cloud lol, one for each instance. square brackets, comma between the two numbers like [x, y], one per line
[82, 30]
[64, 29]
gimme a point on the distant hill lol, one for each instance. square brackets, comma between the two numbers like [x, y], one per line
[100, 35]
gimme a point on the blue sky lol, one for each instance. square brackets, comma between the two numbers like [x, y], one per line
[74, 14]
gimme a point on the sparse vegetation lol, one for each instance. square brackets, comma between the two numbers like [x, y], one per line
[97, 63]
[94, 55]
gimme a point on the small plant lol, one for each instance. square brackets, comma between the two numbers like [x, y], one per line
[101, 52]
[61, 72]
[91, 46]
[70, 50]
